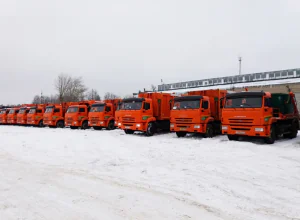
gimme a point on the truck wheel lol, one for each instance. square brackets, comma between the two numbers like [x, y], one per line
[60, 124]
[129, 131]
[41, 124]
[233, 137]
[271, 139]
[180, 134]
[111, 125]
[293, 133]
[84, 125]
[209, 131]
[150, 129]
[97, 128]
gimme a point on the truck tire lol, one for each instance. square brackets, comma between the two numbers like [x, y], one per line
[41, 124]
[129, 131]
[97, 128]
[180, 134]
[111, 125]
[85, 125]
[150, 129]
[209, 131]
[294, 131]
[60, 124]
[232, 137]
[271, 139]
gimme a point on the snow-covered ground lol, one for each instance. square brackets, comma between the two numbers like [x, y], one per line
[76, 174]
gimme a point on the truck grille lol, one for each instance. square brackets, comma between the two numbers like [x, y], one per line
[128, 119]
[29, 119]
[69, 120]
[94, 120]
[183, 120]
[241, 121]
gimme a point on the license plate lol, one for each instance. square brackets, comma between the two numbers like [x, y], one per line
[240, 132]
[182, 129]
[127, 127]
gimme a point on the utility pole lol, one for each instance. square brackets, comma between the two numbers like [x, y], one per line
[240, 65]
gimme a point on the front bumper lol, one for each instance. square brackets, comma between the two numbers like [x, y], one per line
[73, 123]
[246, 131]
[189, 128]
[132, 126]
[97, 123]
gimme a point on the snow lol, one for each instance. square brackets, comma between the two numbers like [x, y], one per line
[86, 174]
[238, 85]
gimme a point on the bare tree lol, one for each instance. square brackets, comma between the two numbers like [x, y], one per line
[110, 95]
[153, 88]
[36, 99]
[93, 95]
[128, 96]
[62, 85]
[70, 89]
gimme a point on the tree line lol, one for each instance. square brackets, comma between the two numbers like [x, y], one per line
[71, 89]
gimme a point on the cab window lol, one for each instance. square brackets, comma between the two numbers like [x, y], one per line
[146, 106]
[268, 102]
[39, 111]
[81, 110]
[107, 108]
[205, 104]
[56, 110]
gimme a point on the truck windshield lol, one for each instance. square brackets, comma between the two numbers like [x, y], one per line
[49, 109]
[12, 111]
[97, 108]
[188, 104]
[243, 102]
[131, 105]
[22, 111]
[32, 111]
[72, 109]
[2, 112]
[119, 107]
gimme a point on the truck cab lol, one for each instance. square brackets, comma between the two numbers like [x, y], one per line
[22, 115]
[54, 116]
[260, 114]
[191, 114]
[118, 114]
[3, 115]
[35, 115]
[101, 115]
[77, 116]
[12, 116]
[148, 113]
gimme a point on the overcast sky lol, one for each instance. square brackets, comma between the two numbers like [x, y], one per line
[122, 46]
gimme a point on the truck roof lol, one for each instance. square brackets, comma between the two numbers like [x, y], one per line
[245, 94]
[134, 100]
[188, 98]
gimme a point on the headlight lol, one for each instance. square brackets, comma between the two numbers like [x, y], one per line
[197, 126]
[224, 127]
[101, 122]
[172, 125]
[75, 122]
[119, 124]
[259, 129]
[138, 125]
[89, 122]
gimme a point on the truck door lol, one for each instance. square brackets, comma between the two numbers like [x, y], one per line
[147, 110]
[205, 108]
[108, 110]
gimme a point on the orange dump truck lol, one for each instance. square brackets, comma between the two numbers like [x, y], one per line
[54, 115]
[102, 114]
[22, 115]
[12, 116]
[35, 115]
[260, 114]
[198, 112]
[3, 115]
[148, 113]
[77, 115]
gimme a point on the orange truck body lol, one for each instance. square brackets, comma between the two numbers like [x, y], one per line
[102, 114]
[148, 113]
[118, 114]
[22, 115]
[54, 115]
[3, 115]
[260, 114]
[35, 115]
[12, 116]
[77, 115]
[198, 112]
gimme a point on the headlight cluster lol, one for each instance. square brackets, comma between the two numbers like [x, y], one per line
[138, 125]
[197, 126]
[172, 125]
[224, 128]
[119, 124]
[259, 129]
